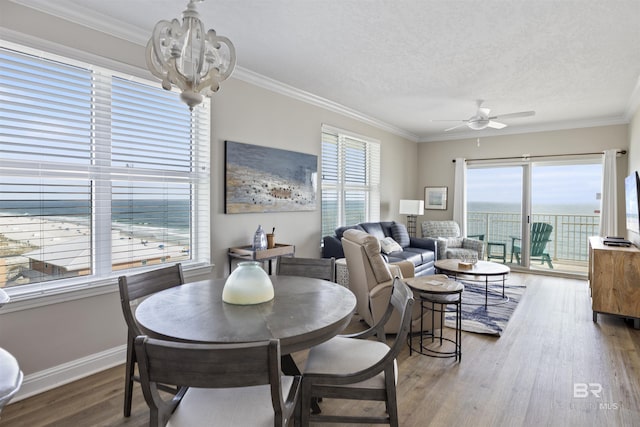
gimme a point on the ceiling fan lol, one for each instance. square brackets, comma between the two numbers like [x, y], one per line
[482, 119]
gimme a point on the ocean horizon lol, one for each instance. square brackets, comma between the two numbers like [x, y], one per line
[537, 209]
[150, 213]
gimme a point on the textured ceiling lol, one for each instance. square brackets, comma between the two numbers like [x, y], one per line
[405, 63]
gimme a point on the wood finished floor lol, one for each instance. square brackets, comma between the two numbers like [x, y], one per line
[524, 378]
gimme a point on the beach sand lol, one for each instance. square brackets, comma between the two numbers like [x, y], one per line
[56, 241]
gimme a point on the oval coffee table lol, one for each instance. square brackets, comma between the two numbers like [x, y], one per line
[482, 271]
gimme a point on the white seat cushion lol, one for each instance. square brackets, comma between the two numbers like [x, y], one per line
[342, 355]
[242, 406]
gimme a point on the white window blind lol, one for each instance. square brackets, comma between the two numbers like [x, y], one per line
[99, 173]
[350, 179]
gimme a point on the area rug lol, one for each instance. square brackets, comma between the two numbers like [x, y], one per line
[491, 320]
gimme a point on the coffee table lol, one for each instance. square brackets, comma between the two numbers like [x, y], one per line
[482, 271]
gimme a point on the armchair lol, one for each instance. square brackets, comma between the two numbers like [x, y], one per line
[540, 233]
[371, 280]
[450, 243]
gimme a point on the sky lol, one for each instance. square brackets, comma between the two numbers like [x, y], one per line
[551, 184]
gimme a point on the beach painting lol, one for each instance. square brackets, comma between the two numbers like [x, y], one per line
[264, 179]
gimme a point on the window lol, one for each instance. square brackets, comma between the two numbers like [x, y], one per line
[350, 179]
[100, 173]
[564, 194]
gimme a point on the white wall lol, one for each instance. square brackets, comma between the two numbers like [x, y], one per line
[245, 113]
[634, 158]
[55, 342]
[437, 169]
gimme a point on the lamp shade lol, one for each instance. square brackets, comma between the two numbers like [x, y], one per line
[411, 207]
[248, 284]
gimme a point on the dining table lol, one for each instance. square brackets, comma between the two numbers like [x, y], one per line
[304, 312]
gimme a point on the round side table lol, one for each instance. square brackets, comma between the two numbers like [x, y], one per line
[436, 293]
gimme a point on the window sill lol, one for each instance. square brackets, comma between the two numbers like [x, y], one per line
[26, 300]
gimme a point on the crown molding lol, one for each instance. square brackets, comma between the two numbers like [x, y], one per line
[547, 127]
[256, 79]
[36, 44]
[85, 16]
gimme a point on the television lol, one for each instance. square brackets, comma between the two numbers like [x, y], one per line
[631, 186]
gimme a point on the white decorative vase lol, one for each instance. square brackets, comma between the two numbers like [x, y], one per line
[248, 284]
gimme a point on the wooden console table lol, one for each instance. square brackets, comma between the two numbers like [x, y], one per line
[614, 279]
[247, 253]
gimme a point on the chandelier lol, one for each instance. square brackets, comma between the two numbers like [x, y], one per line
[185, 56]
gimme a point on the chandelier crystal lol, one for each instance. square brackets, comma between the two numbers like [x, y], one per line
[183, 55]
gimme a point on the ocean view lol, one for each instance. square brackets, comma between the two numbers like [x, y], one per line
[572, 226]
[46, 240]
[552, 209]
[173, 214]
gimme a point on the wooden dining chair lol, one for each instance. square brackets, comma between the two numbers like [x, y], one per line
[318, 268]
[132, 288]
[353, 367]
[221, 384]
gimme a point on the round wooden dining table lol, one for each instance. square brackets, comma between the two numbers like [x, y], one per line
[303, 313]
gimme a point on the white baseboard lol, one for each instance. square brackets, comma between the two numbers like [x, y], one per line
[48, 379]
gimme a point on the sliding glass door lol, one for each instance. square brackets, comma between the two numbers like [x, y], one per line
[494, 207]
[565, 211]
[536, 215]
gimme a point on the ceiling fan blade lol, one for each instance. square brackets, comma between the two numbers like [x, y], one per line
[496, 125]
[484, 112]
[464, 123]
[445, 120]
[509, 115]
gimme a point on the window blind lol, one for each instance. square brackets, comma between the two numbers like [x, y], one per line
[350, 179]
[99, 173]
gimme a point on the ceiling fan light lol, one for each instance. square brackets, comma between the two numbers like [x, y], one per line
[478, 124]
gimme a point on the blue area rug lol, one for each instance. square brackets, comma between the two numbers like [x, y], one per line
[491, 320]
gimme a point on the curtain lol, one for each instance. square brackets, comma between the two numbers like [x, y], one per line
[609, 211]
[460, 195]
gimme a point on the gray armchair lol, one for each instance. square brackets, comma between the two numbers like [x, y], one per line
[450, 243]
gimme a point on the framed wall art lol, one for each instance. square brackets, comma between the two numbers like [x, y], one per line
[265, 179]
[435, 198]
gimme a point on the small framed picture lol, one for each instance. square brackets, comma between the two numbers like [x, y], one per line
[435, 198]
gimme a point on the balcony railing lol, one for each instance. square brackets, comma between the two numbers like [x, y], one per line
[569, 239]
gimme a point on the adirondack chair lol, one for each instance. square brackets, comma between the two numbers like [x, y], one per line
[540, 232]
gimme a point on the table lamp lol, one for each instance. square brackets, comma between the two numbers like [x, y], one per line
[411, 208]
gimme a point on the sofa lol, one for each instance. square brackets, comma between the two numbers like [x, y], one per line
[422, 253]
[450, 243]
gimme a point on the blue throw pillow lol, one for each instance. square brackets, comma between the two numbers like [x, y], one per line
[400, 234]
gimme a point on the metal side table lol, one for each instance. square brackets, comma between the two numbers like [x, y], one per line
[436, 293]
